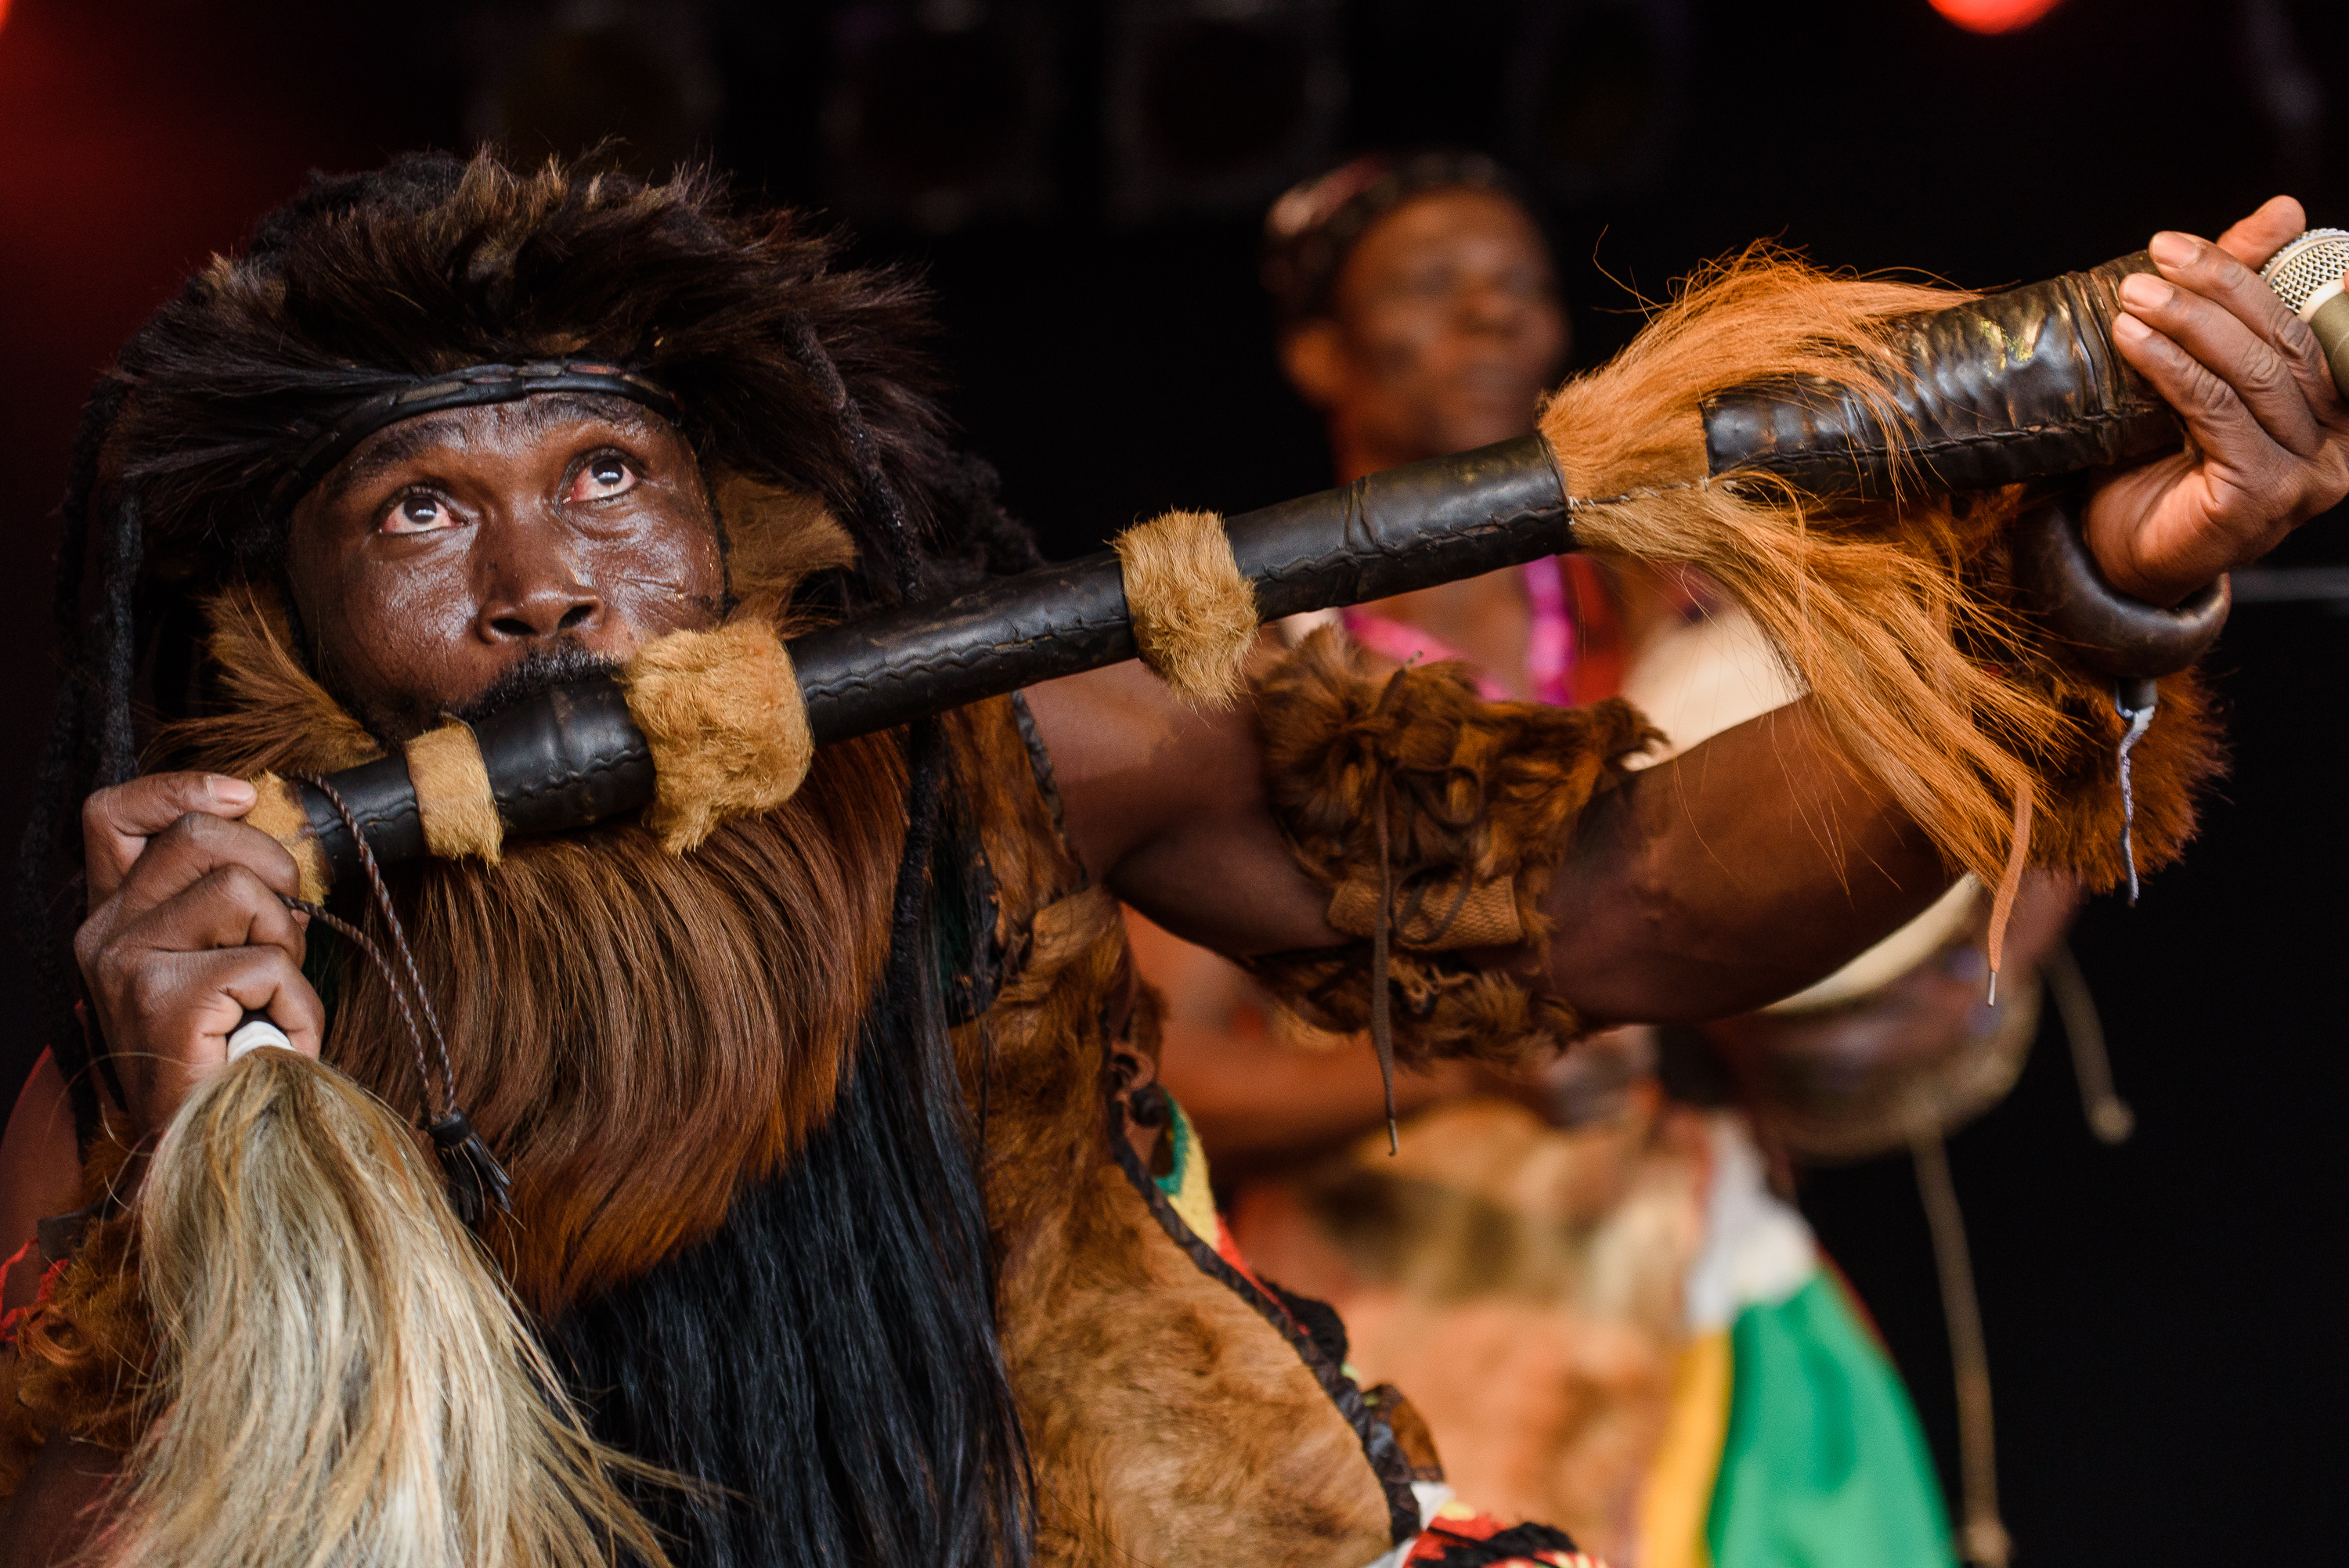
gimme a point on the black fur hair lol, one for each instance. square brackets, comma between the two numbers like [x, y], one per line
[811, 1357]
[830, 1360]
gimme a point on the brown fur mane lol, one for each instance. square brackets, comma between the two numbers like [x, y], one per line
[634, 1032]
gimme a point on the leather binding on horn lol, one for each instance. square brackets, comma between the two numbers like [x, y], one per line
[2006, 388]
[568, 759]
[1425, 522]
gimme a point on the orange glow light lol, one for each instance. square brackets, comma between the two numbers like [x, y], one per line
[1982, 16]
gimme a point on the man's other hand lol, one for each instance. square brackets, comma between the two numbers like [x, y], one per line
[187, 932]
[2268, 432]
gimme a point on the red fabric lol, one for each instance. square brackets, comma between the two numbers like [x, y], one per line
[13, 1320]
[1447, 1535]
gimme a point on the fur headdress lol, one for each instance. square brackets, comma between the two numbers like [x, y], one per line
[795, 377]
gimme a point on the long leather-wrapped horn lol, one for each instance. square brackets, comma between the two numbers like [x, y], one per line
[2013, 387]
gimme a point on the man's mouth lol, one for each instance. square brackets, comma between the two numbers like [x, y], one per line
[535, 672]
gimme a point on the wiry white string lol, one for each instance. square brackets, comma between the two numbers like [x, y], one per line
[2138, 718]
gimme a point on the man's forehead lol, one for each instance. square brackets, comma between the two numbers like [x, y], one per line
[543, 417]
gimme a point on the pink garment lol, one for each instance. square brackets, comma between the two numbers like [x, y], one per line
[1549, 642]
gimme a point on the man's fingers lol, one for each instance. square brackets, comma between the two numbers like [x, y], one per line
[182, 1007]
[2237, 455]
[2260, 236]
[228, 906]
[117, 822]
[192, 848]
[189, 1003]
[2229, 321]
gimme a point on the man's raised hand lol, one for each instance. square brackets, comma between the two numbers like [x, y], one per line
[187, 932]
[2268, 431]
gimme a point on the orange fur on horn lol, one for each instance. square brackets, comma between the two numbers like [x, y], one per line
[1898, 615]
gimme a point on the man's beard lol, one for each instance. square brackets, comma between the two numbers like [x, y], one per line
[564, 660]
[634, 1032]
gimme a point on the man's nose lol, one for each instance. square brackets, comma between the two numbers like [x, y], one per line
[533, 591]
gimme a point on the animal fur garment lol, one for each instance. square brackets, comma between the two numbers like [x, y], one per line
[648, 1037]
[1194, 614]
[1477, 800]
[657, 1027]
[1899, 616]
[1168, 1423]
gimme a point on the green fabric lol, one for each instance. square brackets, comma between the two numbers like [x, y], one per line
[1178, 1163]
[1824, 1465]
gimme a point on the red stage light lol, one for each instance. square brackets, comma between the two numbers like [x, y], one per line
[1993, 15]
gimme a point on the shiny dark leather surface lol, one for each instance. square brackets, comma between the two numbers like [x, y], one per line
[891, 668]
[383, 801]
[2019, 385]
[566, 759]
[2100, 628]
[1411, 527]
[1407, 528]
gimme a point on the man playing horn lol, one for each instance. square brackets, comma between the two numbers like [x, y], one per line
[841, 1224]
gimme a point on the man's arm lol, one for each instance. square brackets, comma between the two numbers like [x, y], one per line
[1741, 870]
[1757, 862]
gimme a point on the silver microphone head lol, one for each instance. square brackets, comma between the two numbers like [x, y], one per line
[2306, 275]
[2307, 271]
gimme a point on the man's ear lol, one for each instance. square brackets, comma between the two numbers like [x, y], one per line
[1315, 357]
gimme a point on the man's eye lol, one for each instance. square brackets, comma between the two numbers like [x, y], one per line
[418, 514]
[602, 478]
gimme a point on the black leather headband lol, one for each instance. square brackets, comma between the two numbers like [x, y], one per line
[469, 387]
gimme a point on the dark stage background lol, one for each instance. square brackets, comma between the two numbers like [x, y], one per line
[1081, 183]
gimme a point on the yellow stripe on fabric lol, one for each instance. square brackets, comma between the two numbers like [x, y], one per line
[1186, 1185]
[1676, 1501]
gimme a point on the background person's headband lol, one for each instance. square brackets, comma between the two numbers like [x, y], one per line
[1315, 225]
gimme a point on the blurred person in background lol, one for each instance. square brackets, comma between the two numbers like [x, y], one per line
[1589, 1284]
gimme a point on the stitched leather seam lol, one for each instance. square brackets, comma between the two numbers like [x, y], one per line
[545, 786]
[949, 659]
[1777, 458]
[1378, 1440]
